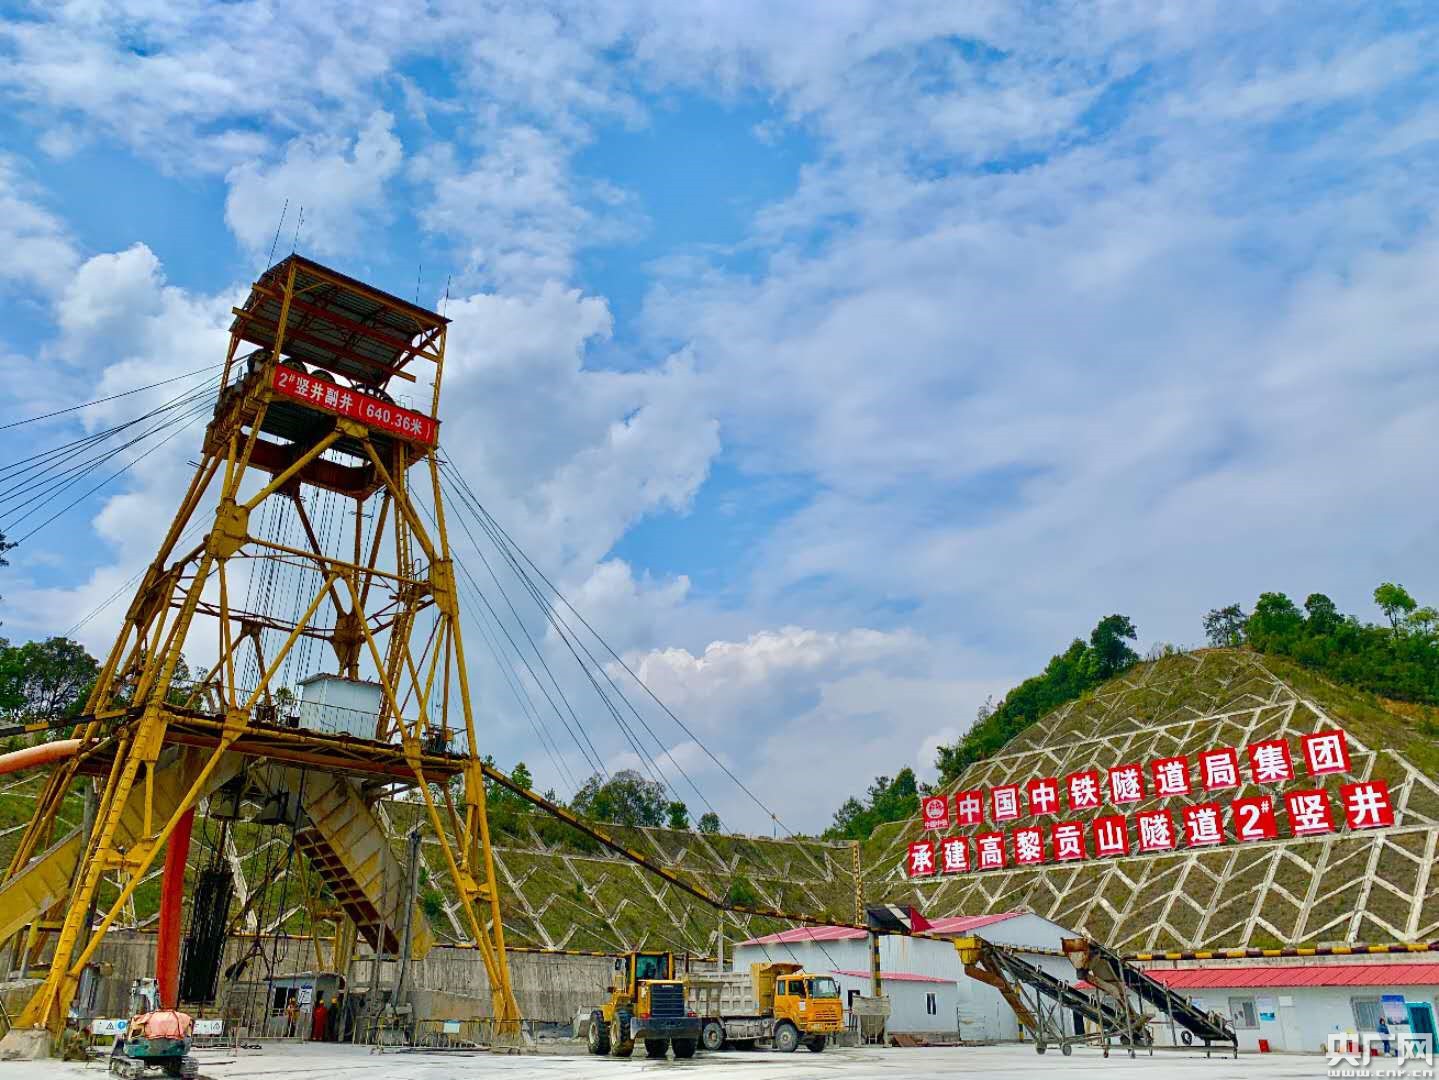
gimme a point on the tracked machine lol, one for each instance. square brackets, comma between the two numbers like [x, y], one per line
[155, 1038]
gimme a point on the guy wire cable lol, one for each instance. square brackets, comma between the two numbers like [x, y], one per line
[593, 756]
[113, 476]
[618, 659]
[484, 607]
[568, 634]
[112, 397]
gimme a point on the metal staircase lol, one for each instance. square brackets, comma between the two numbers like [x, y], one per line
[347, 847]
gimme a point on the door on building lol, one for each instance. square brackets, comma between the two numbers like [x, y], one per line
[1421, 1019]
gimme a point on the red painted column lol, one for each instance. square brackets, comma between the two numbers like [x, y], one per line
[172, 905]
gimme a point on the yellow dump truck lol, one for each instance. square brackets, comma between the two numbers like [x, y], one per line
[775, 1003]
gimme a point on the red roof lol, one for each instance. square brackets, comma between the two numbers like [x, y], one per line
[964, 924]
[897, 976]
[959, 924]
[1207, 978]
[807, 933]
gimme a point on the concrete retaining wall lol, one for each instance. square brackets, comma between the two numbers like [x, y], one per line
[449, 983]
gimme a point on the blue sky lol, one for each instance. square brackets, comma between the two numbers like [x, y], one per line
[841, 362]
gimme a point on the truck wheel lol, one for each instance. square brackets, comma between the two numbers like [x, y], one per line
[786, 1038]
[712, 1035]
[816, 1045]
[597, 1039]
[656, 1048]
[683, 1048]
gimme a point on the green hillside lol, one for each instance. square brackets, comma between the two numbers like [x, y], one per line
[559, 891]
[1375, 886]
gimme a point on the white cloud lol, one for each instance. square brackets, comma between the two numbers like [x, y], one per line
[808, 717]
[515, 212]
[1120, 311]
[122, 326]
[192, 88]
[337, 184]
[568, 458]
[38, 248]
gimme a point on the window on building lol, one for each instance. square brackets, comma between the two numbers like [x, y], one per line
[1367, 1012]
[931, 1005]
[1243, 1012]
[852, 995]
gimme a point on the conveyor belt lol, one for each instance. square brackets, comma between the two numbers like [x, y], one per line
[1051, 1001]
[1095, 1010]
[1107, 970]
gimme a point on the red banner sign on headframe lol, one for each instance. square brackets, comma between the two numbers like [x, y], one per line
[341, 400]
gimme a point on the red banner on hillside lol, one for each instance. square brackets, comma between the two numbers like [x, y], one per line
[1366, 805]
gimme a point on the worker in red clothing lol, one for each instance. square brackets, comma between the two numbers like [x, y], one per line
[318, 1021]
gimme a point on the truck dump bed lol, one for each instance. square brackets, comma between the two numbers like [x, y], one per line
[736, 993]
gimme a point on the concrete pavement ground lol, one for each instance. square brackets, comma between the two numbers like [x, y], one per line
[1010, 1062]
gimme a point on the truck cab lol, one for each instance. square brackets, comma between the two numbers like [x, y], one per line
[810, 1003]
[646, 1002]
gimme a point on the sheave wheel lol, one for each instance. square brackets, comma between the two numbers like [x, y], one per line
[597, 1039]
[786, 1038]
[656, 1048]
[712, 1035]
[683, 1048]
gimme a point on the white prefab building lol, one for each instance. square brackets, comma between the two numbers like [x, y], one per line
[923, 978]
[1297, 1006]
[340, 706]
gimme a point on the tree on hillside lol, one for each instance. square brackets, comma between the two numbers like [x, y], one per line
[626, 798]
[45, 679]
[1395, 602]
[1224, 627]
[1400, 660]
[1069, 674]
[501, 800]
[1425, 620]
[1275, 618]
[887, 800]
[1321, 613]
[1109, 651]
[679, 815]
[709, 822]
